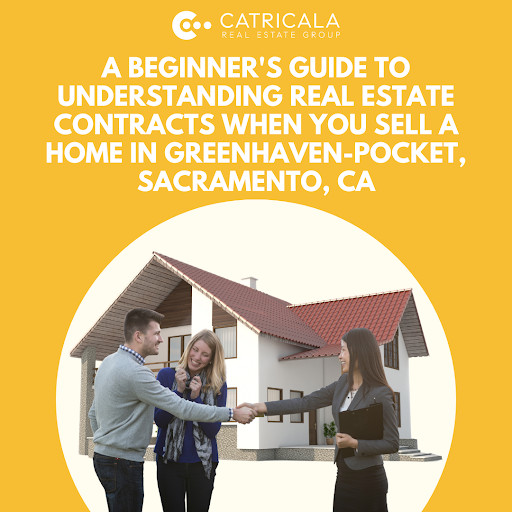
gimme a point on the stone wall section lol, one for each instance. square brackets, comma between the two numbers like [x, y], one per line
[86, 398]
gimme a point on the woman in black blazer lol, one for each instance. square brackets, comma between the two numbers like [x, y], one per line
[361, 484]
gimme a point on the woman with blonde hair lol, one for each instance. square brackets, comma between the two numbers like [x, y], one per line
[187, 455]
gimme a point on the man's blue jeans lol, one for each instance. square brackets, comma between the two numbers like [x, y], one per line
[123, 482]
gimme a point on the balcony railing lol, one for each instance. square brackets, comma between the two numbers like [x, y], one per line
[166, 364]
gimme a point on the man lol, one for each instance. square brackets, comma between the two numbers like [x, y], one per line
[121, 415]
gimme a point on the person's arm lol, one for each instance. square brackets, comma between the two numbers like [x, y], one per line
[148, 390]
[92, 418]
[212, 429]
[166, 378]
[389, 442]
[321, 398]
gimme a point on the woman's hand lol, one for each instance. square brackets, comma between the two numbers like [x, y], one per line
[345, 441]
[195, 387]
[260, 408]
[181, 380]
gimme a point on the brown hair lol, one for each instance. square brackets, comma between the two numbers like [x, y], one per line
[363, 348]
[138, 320]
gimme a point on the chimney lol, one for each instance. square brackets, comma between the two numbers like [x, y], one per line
[249, 281]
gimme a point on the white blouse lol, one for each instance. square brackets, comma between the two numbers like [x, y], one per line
[346, 403]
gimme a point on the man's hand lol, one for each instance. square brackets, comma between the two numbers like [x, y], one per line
[346, 441]
[181, 380]
[243, 414]
[259, 407]
[195, 387]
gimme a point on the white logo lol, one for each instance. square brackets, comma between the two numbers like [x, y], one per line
[182, 22]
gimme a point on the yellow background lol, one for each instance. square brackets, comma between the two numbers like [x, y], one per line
[64, 223]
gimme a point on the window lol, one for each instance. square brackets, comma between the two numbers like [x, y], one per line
[231, 400]
[398, 408]
[176, 346]
[299, 417]
[274, 394]
[227, 337]
[391, 353]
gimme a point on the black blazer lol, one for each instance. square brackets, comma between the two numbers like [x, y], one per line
[369, 453]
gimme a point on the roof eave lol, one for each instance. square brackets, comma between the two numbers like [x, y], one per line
[205, 292]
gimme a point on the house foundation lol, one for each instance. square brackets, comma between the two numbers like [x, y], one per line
[227, 446]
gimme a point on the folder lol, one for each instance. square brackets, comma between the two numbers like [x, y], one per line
[366, 423]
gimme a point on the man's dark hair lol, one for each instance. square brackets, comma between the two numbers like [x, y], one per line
[138, 320]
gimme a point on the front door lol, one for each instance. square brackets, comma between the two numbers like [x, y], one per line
[312, 428]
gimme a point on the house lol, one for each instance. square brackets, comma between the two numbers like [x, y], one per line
[274, 350]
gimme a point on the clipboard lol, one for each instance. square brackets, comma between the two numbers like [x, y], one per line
[366, 423]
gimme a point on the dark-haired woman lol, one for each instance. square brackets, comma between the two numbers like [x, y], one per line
[361, 485]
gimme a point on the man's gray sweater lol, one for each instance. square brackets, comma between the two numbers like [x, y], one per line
[122, 412]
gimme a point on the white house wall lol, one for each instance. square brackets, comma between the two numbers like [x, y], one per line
[257, 367]
[399, 381]
[201, 311]
[242, 373]
[297, 375]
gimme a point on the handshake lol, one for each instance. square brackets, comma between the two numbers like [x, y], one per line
[246, 412]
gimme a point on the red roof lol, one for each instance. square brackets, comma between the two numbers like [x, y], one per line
[267, 314]
[325, 351]
[381, 313]
[317, 326]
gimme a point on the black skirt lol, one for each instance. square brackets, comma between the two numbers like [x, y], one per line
[361, 490]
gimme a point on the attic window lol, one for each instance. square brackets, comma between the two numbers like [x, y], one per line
[175, 348]
[227, 337]
[391, 353]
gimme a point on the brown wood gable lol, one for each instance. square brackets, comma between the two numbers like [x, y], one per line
[412, 331]
[205, 292]
[221, 318]
[177, 307]
[149, 289]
